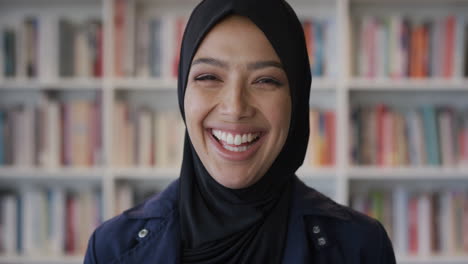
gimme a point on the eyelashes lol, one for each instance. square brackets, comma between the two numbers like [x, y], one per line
[206, 77]
[269, 81]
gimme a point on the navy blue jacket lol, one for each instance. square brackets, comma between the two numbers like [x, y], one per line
[320, 231]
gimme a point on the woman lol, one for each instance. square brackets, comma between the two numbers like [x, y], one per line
[243, 88]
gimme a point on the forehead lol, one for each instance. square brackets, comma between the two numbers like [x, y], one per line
[236, 37]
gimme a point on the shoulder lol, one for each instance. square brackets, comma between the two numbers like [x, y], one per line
[359, 236]
[123, 232]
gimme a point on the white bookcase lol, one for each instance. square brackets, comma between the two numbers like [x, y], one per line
[338, 93]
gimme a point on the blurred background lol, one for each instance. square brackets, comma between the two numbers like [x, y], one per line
[89, 121]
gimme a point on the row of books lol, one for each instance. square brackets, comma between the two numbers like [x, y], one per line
[321, 146]
[146, 45]
[320, 35]
[401, 47]
[19, 50]
[420, 222]
[51, 134]
[426, 135]
[146, 138]
[48, 221]
[78, 49]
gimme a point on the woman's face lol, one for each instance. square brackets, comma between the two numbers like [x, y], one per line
[237, 103]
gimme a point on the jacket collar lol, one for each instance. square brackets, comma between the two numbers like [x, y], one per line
[158, 206]
[306, 201]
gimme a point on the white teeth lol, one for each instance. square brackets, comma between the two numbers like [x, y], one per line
[230, 139]
[236, 149]
[244, 138]
[236, 139]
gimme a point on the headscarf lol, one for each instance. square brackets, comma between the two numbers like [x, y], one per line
[249, 225]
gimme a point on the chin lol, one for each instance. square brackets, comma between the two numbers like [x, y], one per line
[234, 182]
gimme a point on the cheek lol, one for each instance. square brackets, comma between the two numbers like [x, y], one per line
[279, 114]
[196, 107]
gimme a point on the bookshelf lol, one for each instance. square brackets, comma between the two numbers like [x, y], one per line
[125, 77]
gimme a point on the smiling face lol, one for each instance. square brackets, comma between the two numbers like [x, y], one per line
[237, 103]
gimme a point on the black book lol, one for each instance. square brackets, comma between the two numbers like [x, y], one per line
[9, 38]
[466, 51]
[66, 48]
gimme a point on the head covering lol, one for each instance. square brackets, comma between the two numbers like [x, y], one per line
[222, 225]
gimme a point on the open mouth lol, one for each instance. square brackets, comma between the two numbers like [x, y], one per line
[236, 142]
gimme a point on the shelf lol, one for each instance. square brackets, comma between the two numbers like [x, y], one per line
[52, 173]
[40, 259]
[408, 84]
[146, 173]
[432, 259]
[146, 84]
[322, 173]
[422, 173]
[323, 84]
[78, 84]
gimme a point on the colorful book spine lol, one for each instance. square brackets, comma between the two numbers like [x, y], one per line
[406, 47]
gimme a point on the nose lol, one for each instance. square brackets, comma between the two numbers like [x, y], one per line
[236, 102]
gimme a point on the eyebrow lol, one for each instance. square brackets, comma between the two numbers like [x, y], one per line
[251, 66]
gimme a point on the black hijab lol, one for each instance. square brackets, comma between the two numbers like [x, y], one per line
[222, 225]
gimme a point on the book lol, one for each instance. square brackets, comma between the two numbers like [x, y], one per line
[2, 137]
[465, 72]
[396, 46]
[432, 138]
[80, 48]
[31, 28]
[9, 224]
[421, 221]
[449, 47]
[66, 48]
[9, 45]
[321, 145]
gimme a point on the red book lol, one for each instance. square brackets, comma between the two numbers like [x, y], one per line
[97, 69]
[306, 25]
[448, 58]
[413, 225]
[119, 21]
[70, 224]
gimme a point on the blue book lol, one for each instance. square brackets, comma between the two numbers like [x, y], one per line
[9, 45]
[317, 67]
[431, 135]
